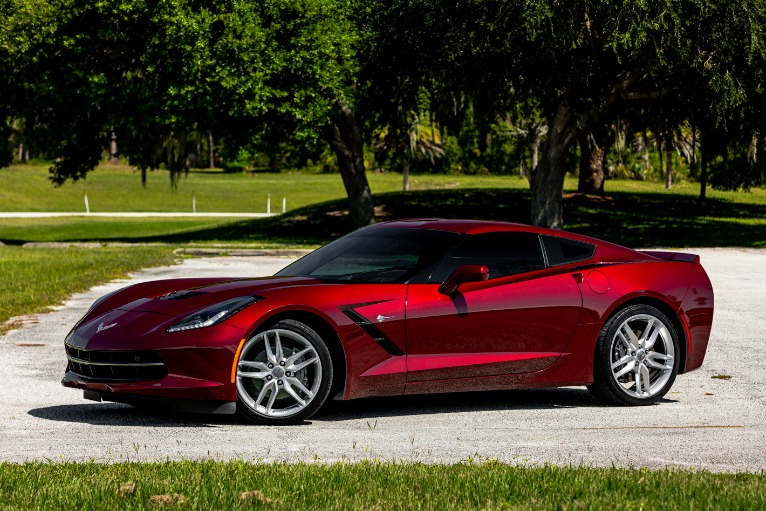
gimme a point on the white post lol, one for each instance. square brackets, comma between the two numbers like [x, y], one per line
[194, 202]
[268, 205]
[87, 207]
[284, 205]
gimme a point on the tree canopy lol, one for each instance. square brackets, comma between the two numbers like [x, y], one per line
[481, 82]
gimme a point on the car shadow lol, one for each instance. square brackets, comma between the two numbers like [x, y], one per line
[424, 404]
[115, 414]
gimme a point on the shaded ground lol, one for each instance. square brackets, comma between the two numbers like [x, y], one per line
[644, 219]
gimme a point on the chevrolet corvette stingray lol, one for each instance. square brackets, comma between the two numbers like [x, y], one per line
[402, 307]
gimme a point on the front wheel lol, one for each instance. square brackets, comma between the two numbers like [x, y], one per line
[284, 374]
[636, 359]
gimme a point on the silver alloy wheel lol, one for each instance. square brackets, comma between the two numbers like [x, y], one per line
[642, 356]
[278, 373]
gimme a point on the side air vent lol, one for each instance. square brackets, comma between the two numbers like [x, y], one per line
[372, 330]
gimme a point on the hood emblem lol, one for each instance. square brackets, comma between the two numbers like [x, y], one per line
[104, 327]
[382, 318]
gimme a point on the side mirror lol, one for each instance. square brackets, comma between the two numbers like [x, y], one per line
[466, 273]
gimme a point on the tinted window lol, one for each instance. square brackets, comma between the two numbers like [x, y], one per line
[504, 253]
[563, 251]
[374, 255]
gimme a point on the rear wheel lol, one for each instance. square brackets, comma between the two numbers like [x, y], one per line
[636, 358]
[284, 374]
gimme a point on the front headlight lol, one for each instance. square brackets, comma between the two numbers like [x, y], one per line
[214, 314]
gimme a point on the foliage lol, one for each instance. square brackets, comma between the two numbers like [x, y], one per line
[163, 74]
[436, 86]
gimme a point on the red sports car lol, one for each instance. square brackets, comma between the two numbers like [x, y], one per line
[403, 307]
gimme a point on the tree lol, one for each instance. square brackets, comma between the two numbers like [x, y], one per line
[165, 73]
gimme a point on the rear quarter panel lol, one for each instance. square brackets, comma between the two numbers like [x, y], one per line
[609, 287]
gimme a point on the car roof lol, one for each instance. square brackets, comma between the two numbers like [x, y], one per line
[605, 250]
[473, 227]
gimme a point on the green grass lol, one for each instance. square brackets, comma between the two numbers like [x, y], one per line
[19, 230]
[34, 279]
[377, 486]
[118, 188]
[633, 213]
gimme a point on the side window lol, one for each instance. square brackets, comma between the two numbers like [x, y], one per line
[504, 253]
[563, 251]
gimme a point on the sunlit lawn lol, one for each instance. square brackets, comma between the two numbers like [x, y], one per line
[376, 486]
[33, 279]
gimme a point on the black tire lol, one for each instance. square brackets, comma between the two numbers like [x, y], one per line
[317, 376]
[614, 346]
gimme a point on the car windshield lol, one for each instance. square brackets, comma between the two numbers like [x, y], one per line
[384, 255]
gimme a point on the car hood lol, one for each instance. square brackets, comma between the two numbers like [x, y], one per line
[182, 299]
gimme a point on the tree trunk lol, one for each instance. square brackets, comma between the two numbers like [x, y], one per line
[548, 178]
[668, 165]
[21, 152]
[211, 157]
[703, 174]
[113, 148]
[406, 173]
[592, 161]
[537, 135]
[345, 139]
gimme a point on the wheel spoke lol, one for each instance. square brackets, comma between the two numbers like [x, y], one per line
[289, 390]
[254, 364]
[305, 363]
[647, 381]
[628, 368]
[651, 333]
[272, 397]
[630, 336]
[296, 382]
[624, 341]
[627, 358]
[637, 374]
[652, 360]
[257, 376]
[269, 353]
[296, 356]
[263, 393]
[278, 345]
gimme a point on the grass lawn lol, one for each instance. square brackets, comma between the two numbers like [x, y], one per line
[19, 230]
[33, 279]
[118, 188]
[378, 486]
[634, 213]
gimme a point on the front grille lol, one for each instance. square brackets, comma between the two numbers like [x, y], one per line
[109, 365]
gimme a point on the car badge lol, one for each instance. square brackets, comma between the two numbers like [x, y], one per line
[104, 327]
[381, 318]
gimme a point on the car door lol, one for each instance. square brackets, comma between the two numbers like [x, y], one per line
[519, 320]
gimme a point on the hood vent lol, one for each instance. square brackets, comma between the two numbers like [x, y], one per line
[179, 295]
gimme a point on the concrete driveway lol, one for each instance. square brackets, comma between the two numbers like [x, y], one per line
[706, 423]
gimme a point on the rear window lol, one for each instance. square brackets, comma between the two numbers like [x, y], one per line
[564, 251]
